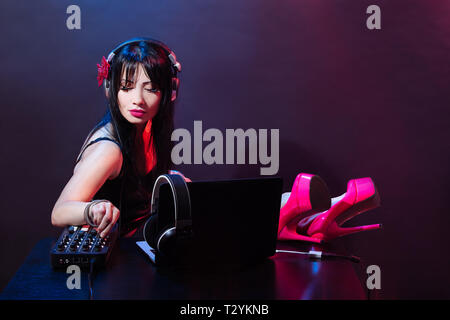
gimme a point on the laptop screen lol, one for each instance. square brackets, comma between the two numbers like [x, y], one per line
[231, 219]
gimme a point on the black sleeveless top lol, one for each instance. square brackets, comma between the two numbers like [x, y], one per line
[131, 197]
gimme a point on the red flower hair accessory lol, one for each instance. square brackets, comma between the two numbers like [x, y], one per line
[103, 70]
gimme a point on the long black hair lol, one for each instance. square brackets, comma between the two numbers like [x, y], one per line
[158, 68]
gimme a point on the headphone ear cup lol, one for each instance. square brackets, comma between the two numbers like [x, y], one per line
[167, 243]
[106, 87]
[151, 231]
[175, 84]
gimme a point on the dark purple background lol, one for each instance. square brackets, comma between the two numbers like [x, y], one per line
[349, 103]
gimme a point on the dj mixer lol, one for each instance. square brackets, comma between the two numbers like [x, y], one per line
[82, 245]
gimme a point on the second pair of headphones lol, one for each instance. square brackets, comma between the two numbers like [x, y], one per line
[175, 65]
[170, 233]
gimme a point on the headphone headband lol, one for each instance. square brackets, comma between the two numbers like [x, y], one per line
[175, 65]
[170, 54]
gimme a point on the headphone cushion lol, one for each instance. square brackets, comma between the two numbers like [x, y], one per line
[153, 235]
[167, 240]
[151, 231]
[168, 243]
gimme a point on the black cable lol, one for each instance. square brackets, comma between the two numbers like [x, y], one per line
[91, 278]
[322, 255]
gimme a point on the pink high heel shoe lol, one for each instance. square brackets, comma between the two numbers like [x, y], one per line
[361, 196]
[309, 195]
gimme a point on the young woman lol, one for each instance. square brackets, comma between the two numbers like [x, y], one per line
[130, 147]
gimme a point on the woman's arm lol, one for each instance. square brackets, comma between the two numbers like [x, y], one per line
[100, 161]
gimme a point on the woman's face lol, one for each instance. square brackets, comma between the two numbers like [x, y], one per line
[138, 98]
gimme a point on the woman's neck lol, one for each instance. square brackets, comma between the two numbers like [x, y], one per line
[143, 134]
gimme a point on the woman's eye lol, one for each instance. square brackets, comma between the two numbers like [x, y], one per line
[125, 88]
[154, 90]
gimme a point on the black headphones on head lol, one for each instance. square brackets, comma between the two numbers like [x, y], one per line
[174, 238]
[175, 65]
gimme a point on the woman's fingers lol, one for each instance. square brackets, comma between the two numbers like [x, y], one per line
[107, 217]
[97, 212]
[115, 217]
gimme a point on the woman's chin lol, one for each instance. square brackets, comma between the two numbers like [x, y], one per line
[137, 121]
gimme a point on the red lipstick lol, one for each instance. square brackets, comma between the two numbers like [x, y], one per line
[137, 113]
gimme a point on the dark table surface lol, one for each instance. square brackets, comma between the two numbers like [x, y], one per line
[130, 275]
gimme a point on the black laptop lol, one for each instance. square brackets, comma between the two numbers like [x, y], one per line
[233, 221]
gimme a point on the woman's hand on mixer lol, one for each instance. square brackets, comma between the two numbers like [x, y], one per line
[105, 215]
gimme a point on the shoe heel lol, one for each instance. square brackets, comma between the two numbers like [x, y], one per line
[334, 231]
